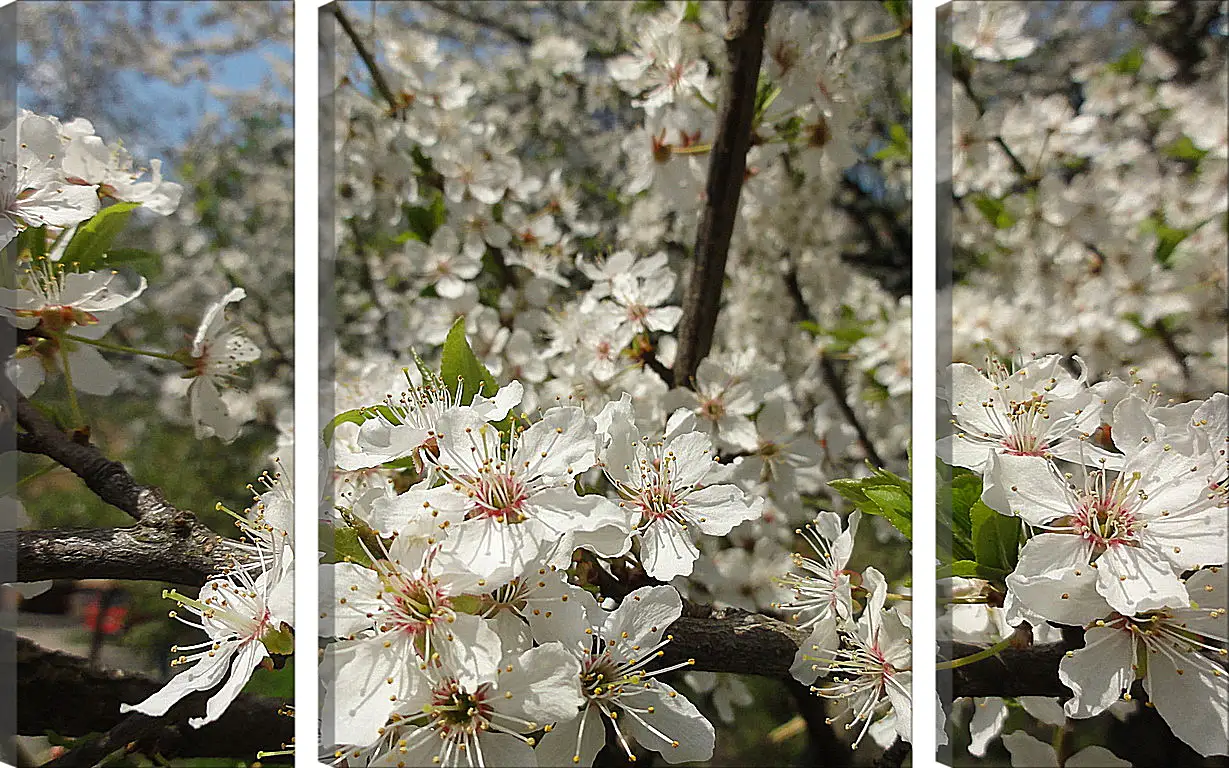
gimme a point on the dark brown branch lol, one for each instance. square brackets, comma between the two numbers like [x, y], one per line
[394, 103]
[657, 366]
[167, 541]
[741, 642]
[894, 756]
[140, 552]
[733, 640]
[1171, 346]
[53, 688]
[747, 21]
[1031, 671]
[823, 748]
[965, 78]
[108, 479]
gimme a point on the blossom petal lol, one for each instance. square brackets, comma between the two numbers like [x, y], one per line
[689, 735]
[249, 657]
[201, 676]
[1100, 672]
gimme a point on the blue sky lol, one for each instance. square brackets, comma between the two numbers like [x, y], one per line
[180, 108]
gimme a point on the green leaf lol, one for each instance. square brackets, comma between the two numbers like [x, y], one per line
[898, 8]
[900, 148]
[996, 538]
[278, 640]
[896, 506]
[346, 547]
[270, 682]
[1167, 238]
[94, 237]
[145, 263]
[33, 240]
[766, 93]
[846, 332]
[458, 364]
[1129, 63]
[423, 221]
[995, 212]
[964, 490]
[1184, 149]
[970, 569]
[789, 129]
[352, 416]
[891, 152]
[884, 494]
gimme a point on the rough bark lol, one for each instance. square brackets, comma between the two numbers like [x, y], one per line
[141, 552]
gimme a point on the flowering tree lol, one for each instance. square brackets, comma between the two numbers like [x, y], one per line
[1084, 533]
[123, 290]
[621, 316]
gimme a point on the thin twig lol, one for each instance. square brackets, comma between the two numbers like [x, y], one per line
[832, 379]
[963, 77]
[657, 366]
[1171, 346]
[369, 61]
[747, 21]
[483, 22]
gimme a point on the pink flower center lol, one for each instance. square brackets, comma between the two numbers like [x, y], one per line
[457, 713]
[501, 496]
[413, 605]
[1105, 520]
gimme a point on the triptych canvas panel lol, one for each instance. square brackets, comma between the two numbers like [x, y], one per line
[599, 422]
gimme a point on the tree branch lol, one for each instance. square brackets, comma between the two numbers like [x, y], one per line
[166, 541]
[1031, 671]
[140, 552]
[744, 36]
[894, 756]
[1171, 346]
[658, 367]
[733, 640]
[832, 380]
[51, 686]
[745, 643]
[108, 479]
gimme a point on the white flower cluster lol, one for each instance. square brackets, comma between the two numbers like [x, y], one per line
[543, 199]
[1123, 499]
[61, 170]
[459, 639]
[866, 661]
[1090, 191]
[247, 611]
[61, 174]
[557, 230]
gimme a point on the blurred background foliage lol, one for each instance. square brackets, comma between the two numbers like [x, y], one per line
[206, 88]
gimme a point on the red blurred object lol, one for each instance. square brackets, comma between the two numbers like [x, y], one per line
[112, 607]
